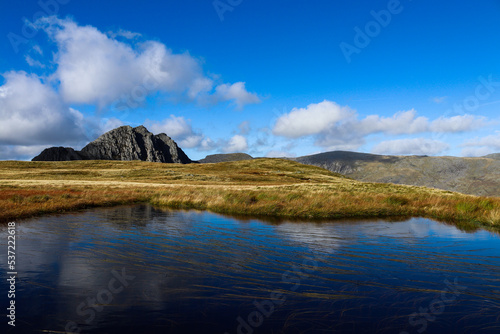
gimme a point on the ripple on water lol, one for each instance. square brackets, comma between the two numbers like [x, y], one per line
[140, 269]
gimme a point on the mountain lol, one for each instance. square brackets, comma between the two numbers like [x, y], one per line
[214, 158]
[495, 156]
[476, 176]
[123, 143]
[59, 154]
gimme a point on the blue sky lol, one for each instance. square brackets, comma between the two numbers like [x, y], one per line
[270, 78]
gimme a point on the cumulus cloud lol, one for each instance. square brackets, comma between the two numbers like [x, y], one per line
[173, 126]
[207, 144]
[482, 146]
[237, 93]
[180, 129]
[404, 122]
[336, 127]
[313, 119]
[20, 152]
[108, 124]
[95, 68]
[417, 146]
[33, 114]
[456, 124]
[236, 144]
[491, 140]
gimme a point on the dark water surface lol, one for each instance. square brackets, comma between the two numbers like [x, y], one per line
[143, 270]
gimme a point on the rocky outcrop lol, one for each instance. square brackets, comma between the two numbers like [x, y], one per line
[59, 154]
[123, 143]
[127, 143]
[214, 158]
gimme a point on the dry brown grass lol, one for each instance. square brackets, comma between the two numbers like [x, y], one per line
[261, 187]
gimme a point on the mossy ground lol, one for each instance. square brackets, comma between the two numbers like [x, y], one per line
[260, 187]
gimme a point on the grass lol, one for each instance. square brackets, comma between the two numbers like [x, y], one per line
[260, 187]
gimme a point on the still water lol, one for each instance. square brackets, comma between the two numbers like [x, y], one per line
[144, 270]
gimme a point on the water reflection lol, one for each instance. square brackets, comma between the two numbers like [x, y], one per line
[140, 269]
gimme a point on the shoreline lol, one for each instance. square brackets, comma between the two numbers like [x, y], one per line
[260, 188]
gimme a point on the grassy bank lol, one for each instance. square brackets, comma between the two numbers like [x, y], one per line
[261, 187]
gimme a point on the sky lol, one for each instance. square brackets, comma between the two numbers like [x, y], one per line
[268, 78]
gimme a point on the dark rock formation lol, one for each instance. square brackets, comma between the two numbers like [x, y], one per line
[59, 154]
[123, 143]
[214, 158]
[127, 143]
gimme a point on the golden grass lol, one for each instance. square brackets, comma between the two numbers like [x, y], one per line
[260, 187]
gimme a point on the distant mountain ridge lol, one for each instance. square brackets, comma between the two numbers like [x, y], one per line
[495, 156]
[123, 143]
[476, 176]
[214, 158]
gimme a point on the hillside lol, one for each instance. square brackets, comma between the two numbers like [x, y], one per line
[495, 156]
[258, 187]
[477, 176]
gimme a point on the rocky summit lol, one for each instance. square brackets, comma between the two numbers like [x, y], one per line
[123, 143]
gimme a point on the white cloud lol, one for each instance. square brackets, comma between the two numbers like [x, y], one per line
[108, 124]
[477, 151]
[94, 68]
[207, 144]
[237, 93]
[456, 124]
[339, 128]
[236, 144]
[415, 146]
[32, 113]
[180, 129]
[34, 53]
[313, 119]
[173, 126]
[279, 154]
[9, 152]
[33, 63]
[193, 141]
[403, 122]
[482, 146]
[491, 140]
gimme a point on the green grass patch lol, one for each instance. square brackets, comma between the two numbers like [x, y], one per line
[467, 207]
[396, 200]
